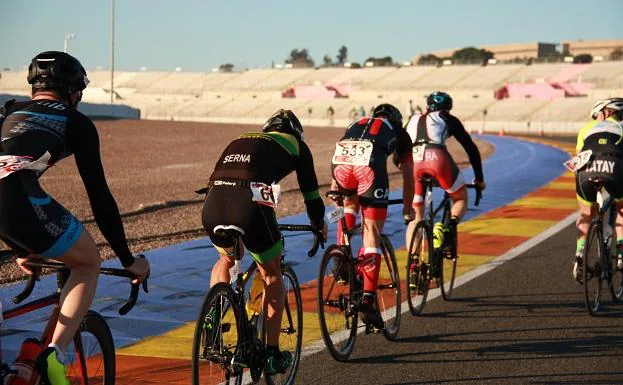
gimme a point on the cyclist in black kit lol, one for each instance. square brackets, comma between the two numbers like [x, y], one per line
[240, 195]
[35, 135]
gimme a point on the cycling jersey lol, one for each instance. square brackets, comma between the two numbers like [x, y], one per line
[359, 165]
[256, 159]
[605, 140]
[35, 135]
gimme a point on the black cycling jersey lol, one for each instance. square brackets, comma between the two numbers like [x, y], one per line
[268, 158]
[436, 127]
[385, 138]
[50, 131]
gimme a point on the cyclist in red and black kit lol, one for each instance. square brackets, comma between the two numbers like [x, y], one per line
[35, 135]
[238, 198]
[429, 132]
[366, 180]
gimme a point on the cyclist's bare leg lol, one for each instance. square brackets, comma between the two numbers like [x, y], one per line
[459, 203]
[351, 208]
[619, 220]
[584, 220]
[419, 215]
[220, 270]
[274, 299]
[84, 260]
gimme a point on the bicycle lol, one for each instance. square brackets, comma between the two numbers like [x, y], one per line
[339, 297]
[237, 341]
[90, 358]
[598, 260]
[424, 262]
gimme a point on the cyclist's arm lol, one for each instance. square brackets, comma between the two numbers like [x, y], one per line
[458, 131]
[308, 183]
[405, 157]
[83, 141]
[582, 134]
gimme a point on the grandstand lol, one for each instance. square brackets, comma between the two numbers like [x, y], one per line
[252, 95]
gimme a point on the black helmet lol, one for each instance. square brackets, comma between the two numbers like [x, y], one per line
[392, 113]
[284, 121]
[439, 100]
[54, 70]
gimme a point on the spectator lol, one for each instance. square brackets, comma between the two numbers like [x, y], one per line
[330, 115]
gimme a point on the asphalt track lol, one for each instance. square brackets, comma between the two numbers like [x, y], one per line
[522, 322]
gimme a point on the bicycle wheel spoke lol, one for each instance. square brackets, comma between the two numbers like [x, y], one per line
[417, 272]
[388, 290]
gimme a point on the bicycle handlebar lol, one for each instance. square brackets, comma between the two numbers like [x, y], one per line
[478, 192]
[318, 242]
[37, 265]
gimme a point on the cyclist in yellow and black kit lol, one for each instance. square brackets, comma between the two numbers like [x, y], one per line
[604, 137]
[240, 195]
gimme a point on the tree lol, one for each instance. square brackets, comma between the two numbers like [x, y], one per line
[228, 67]
[428, 59]
[342, 55]
[300, 58]
[472, 55]
[381, 61]
[327, 61]
[617, 54]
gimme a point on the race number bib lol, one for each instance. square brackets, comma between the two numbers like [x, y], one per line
[335, 215]
[577, 162]
[353, 152]
[265, 194]
[11, 163]
[418, 153]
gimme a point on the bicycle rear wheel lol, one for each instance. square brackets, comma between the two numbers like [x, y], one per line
[291, 335]
[419, 255]
[448, 268]
[217, 339]
[388, 290]
[90, 357]
[337, 312]
[593, 269]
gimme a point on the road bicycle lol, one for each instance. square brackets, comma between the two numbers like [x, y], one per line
[90, 357]
[425, 264]
[230, 331]
[599, 261]
[340, 290]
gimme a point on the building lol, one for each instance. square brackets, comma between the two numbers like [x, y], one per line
[595, 48]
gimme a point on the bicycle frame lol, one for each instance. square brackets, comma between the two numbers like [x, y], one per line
[62, 274]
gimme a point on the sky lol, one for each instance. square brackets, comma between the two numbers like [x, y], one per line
[198, 35]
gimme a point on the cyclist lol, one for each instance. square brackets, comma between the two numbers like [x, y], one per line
[364, 177]
[35, 135]
[240, 195]
[604, 137]
[429, 132]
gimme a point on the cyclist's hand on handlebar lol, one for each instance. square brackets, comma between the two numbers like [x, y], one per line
[481, 184]
[140, 268]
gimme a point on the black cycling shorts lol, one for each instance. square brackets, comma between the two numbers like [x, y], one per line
[31, 221]
[232, 205]
[608, 169]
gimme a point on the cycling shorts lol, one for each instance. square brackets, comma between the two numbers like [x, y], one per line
[232, 205]
[438, 164]
[609, 169]
[31, 221]
[370, 184]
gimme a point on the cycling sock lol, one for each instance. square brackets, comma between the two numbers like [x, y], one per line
[59, 353]
[351, 218]
[455, 219]
[369, 266]
[579, 247]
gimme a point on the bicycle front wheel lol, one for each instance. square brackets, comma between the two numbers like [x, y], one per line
[217, 339]
[419, 255]
[593, 269]
[388, 290]
[337, 311]
[90, 358]
[291, 333]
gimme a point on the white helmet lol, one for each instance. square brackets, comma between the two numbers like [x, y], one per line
[612, 103]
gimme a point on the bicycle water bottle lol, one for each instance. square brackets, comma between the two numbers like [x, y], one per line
[24, 364]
